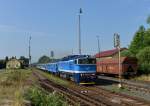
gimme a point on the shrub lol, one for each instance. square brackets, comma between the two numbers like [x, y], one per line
[40, 98]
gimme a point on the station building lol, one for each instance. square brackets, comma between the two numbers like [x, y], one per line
[13, 64]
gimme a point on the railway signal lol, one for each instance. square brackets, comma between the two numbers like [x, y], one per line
[116, 40]
[117, 45]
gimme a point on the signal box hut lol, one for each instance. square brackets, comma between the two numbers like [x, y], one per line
[13, 64]
[110, 66]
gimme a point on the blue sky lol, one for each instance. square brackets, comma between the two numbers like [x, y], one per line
[53, 25]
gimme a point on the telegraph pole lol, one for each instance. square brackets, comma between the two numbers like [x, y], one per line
[29, 50]
[79, 16]
[117, 45]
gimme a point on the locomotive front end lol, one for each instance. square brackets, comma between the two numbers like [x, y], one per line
[86, 68]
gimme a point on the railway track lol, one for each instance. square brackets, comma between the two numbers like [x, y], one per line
[122, 98]
[90, 96]
[74, 97]
[132, 85]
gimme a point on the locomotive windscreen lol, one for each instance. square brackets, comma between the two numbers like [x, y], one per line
[87, 61]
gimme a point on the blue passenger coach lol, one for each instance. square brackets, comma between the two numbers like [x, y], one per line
[52, 67]
[41, 66]
[78, 68]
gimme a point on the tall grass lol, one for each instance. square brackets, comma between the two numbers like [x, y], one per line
[12, 86]
[18, 98]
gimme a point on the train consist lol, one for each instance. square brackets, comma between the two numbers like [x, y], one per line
[83, 69]
[128, 66]
[79, 68]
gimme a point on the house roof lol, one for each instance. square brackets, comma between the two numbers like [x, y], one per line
[108, 53]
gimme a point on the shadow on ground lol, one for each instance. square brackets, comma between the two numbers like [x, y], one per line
[105, 82]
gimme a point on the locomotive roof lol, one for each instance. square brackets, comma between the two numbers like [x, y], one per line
[72, 57]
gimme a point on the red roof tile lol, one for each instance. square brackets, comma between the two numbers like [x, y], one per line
[108, 53]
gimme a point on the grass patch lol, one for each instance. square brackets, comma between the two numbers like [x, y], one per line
[116, 89]
[55, 79]
[143, 78]
[119, 90]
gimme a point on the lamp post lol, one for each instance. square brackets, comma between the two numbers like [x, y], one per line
[98, 43]
[79, 33]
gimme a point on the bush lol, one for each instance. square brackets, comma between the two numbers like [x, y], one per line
[144, 68]
[40, 98]
[144, 60]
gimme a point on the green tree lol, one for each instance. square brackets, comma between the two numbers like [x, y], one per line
[140, 48]
[138, 41]
[44, 59]
[25, 61]
[148, 20]
[144, 60]
[6, 59]
[125, 53]
[147, 38]
[2, 64]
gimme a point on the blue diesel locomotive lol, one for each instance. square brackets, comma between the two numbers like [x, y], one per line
[78, 68]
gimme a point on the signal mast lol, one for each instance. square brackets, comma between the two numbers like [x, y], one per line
[117, 45]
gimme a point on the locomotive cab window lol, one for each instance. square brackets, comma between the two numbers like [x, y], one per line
[87, 61]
